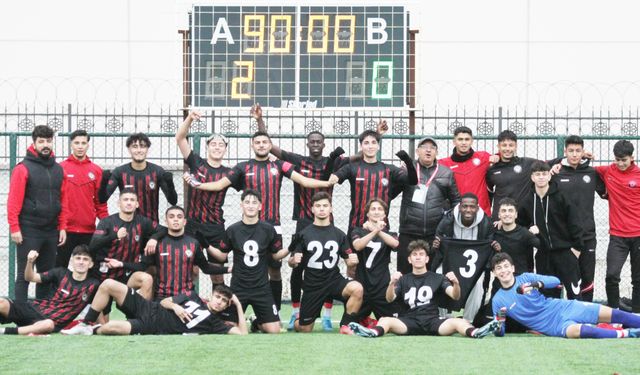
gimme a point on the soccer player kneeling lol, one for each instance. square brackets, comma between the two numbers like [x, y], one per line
[180, 314]
[421, 291]
[521, 300]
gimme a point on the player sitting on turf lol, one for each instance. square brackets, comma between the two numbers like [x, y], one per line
[74, 290]
[421, 291]
[317, 248]
[179, 314]
[521, 299]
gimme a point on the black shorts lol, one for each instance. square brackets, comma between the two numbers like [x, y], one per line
[23, 313]
[214, 233]
[140, 313]
[261, 300]
[313, 298]
[379, 306]
[422, 324]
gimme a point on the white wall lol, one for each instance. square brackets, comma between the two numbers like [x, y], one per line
[512, 52]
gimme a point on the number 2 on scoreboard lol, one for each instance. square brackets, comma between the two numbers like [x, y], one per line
[236, 82]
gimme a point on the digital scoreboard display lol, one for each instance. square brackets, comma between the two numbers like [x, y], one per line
[299, 56]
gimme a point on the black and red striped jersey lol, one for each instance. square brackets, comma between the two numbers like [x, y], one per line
[129, 250]
[175, 257]
[205, 206]
[251, 245]
[264, 176]
[368, 181]
[311, 168]
[321, 246]
[70, 296]
[146, 183]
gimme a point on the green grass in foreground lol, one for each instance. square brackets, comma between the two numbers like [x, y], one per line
[318, 352]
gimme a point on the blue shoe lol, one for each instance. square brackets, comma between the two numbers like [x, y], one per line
[326, 325]
[634, 332]
[292, 322]
[362, 331]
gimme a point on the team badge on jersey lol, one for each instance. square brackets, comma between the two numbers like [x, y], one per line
[188, 253]
[632, 184]
[385, 182]
[517, 169]
[91, 175]
[586, 179]
[85, 297]
[476, 161]
[137, 237]
[274, 171]
[152, 185]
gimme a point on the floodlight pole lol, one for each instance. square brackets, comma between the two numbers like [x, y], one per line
[411, 99]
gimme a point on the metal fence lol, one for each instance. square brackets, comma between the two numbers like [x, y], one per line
[541, 135]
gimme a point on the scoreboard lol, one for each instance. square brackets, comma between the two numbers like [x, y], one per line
[298, 56]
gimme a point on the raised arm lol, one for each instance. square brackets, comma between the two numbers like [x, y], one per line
[390, 295]
[309, 183]
[183, 131]
[29, 274]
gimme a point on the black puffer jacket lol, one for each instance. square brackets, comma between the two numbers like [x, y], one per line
[421, 219]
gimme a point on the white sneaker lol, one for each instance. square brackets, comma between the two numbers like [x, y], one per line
[82, 329]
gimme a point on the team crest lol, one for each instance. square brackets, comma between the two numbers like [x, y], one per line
[476, 161]
[85, 297]
[91, 175]
[632, 184]
[188, 253]
[517, 169]
[274, 171]
[137, 237]
[385, 182]
[152, 185]
[586, 179]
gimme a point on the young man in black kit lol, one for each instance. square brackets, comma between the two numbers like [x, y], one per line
[318, 248]
[253, 242]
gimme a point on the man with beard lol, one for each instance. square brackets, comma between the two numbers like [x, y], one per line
[37, 209]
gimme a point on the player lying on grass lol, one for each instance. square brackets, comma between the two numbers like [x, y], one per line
[421, 291]
[179, 314]
[74, 290]
[520, 298]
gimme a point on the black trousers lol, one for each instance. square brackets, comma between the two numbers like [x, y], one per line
[619, 249]
[563, 264]
[587, 263]
[46, 260]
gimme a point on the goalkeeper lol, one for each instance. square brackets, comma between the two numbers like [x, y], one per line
[520, 297]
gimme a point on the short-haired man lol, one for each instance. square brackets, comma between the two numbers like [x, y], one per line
[424, 204]
[83, 185]
[578, 179]
[421, 291]
[470, 167]
[317, 248]
[252, 242]
[37, 209]
[144, 177]
[515, 239]
[510, 177]
[520, 299]
[622, 180]
[73, 291]
[175, 315]
[467, 221]
[118, 245]
[554, 216]
[374, 243]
